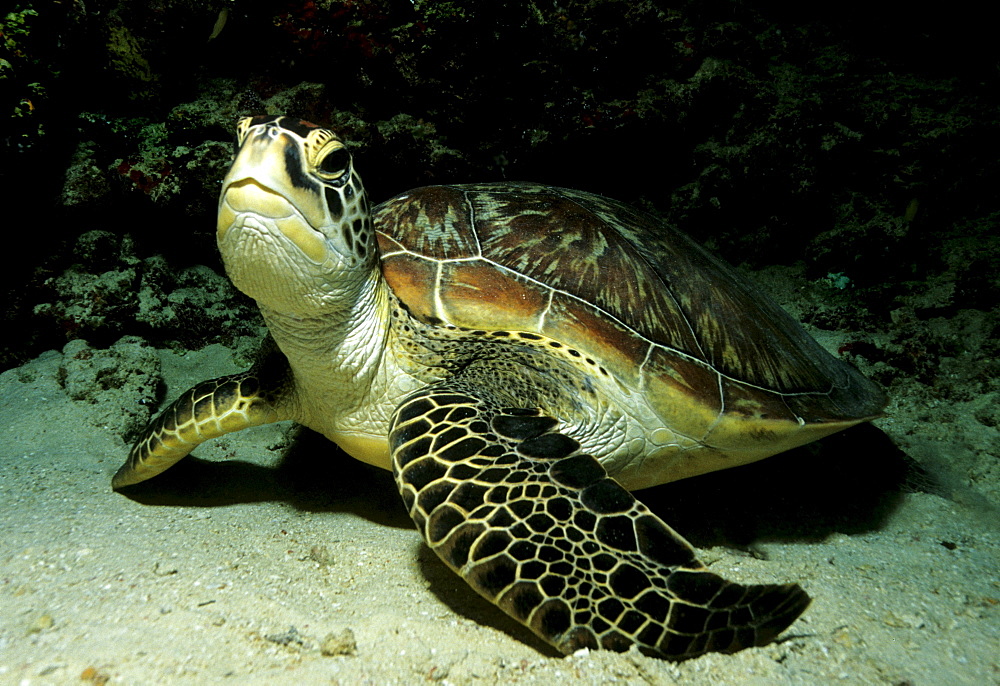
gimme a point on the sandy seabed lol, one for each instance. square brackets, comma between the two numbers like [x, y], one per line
[270, 559]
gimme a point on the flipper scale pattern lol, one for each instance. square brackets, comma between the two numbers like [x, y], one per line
[539, 528]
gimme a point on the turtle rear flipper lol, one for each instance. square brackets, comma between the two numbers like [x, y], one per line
[537, 527]
[208, 410]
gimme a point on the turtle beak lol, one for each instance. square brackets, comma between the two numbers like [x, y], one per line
[247, 201]
[266, 184]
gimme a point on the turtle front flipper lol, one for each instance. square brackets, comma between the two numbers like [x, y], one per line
[537, 527]
[208, 410]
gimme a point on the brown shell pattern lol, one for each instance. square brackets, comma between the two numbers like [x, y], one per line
[616, 284]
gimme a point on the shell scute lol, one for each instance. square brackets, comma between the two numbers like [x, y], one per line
[412, 279]
[433, 221]
[685, 388]
[583, 327]
[476, 292]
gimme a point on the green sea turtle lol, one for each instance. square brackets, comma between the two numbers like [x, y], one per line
[521, 357]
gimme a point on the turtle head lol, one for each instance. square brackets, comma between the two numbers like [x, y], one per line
[293, 227]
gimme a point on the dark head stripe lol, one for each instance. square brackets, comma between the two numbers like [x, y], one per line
[296, 126]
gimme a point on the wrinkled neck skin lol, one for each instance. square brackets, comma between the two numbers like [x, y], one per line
[335, 353]
[329, 321]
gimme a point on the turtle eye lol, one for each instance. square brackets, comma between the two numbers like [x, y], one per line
[333, 164]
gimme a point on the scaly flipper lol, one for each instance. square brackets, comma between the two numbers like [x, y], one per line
[537, 527]
[208, 410]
